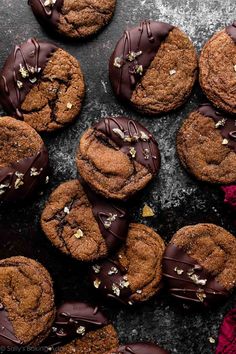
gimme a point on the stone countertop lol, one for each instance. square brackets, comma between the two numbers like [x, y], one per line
[177, 199]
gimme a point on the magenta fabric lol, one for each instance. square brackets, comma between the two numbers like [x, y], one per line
[227, 336]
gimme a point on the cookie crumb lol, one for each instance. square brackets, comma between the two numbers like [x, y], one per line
[69, 105]
[79, 233]
[225, 141]
[172, 72]
[147, 211]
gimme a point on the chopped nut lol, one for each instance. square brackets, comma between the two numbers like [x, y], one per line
[96, 268]
[178, 271]
[66, 210]
[46, 179]
[49, 2]
[97, 283]
[115, 289]
[19, 181]
[143, 136]
[139, 69]
[79, 233]
[124, 283]
[220, 123]
[33, 80]
[3, 188]
[119, 132]
[132, 152]
[211, 339]
[147, 211]
[201, 295]
[19, 84]
[69, 105]
[109, 220]
[35, 172]
[113, 270]
[139, 291]
[146, 153]
[225, 141]
[196, 280]
[23, 71]
[128, 138]
[81, 330]
[131, 56]
[118, 62]
[172, 72]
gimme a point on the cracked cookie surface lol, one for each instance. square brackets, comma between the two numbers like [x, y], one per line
[42, 85]
[153, 67]
[27, 302]
[82, 224]
[217, 74]
[205, 146]
[134, 274]
[118, 157]
[74, 18]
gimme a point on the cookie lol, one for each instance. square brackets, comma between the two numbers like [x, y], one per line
[83, 224]
[217, 69]
[23, 160]
[73, 319]
[27, 302]
[153, 67]
[118, 157]
[94, 342]
[199, 264]
[42, 85]
[74, 19]
[206, 145]
[135, 273]
[139, 348]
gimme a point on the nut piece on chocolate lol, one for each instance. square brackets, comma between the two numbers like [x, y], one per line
[206, 145]
[23, 160]
[117, 157]
[73, 18]
[42, 85]
[139, 348]
[199, 264]
[217, 66]
[83, 224]
[153, 67]
[27, 302]
[135, 273]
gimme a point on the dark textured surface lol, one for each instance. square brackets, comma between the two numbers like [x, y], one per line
[178, 200]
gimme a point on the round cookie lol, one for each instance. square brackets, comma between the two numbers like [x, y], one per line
[206, 145]
[74, 19]
[27, 302]
[135, 273]
[42, 85]
[199, 264]
[217, 65]
[153, 67]
[139, 348]
[94, 342]
[23, 160]
[73, 319]
[83, 224]
[118, 157]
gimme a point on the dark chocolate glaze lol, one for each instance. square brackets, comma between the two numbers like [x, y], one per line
[73, 319]
[110, 279]
[231, 30]
[7, 335]
[143, 40]
[140, 140]
[29, 58]
[179, 269]
[47, 15]
[19, 180]
[112, 219]
[140, 348]
[227, 130]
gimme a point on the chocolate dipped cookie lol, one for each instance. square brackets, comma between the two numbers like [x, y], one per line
[73, 18]
[139, 348]
[153, 67]
[118, 157]
[135, 273]
[27, 303]
[23, 160]
[199, 264]
[42, 85]
[217, 66]
[206, 145]
[83, 224]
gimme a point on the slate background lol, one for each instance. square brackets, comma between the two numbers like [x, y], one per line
[177, 199]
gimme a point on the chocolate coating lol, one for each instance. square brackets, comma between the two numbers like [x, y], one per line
[228, 127]
[47, 15]
[144, 41]
[187, 280]
[19, 180]
[231, 30]
[73, 319]
[7, 335]
[21, 70]
[111, 280]
[127, 134]
[140, 348]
